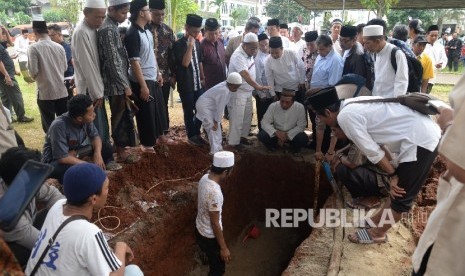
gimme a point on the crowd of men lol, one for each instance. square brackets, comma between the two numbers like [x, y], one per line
[375, 148]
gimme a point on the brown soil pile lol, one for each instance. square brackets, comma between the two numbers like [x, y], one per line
[163, 184]
[426, 200]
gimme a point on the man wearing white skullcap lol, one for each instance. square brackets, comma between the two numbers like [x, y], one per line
[210, 107]
[389, 82]
[240, 104]
[209, 227]
[87, 73]
[114, 64]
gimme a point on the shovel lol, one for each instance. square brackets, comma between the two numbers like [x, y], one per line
[330, 177]
[253, 233]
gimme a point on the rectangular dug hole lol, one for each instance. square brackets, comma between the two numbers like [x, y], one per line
[260, 182]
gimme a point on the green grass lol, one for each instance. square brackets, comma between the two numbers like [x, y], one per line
[34, 136]
[459, 72]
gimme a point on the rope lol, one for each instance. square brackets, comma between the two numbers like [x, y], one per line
[99, 219]
[175, 180]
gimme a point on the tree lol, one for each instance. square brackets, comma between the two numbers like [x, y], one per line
[179, 11]
[68, 10]
[288, 11]
[55, 15]
[239, 15]
[218, 4]
[402, 17]
[379, 7]
[12, 6]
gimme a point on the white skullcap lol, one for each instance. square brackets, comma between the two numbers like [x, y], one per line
[223, 159]
[95, 4]
[373, 30]
[234, 78]
[112, 3]
[65, 32]
[250, 37]
[300, 27]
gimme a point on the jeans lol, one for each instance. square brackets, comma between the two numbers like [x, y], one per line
[191, 122]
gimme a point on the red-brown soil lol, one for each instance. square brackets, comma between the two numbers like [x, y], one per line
[163, 237]
[426, 199]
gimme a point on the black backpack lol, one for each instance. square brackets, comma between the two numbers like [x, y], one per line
[415, 71]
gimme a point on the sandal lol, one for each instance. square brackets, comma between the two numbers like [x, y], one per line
[362, 236]
[147, 149]
[129, 159]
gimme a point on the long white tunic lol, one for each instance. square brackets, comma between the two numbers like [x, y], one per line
[21, 47]
[293, 120]
[400, 128]
[210, 106]
[286, 72]
[437, 54]
[446, 223]
[86, 61]
[389, 83]
[239, 62]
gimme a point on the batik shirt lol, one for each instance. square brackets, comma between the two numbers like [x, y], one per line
[309, 61]
[163, 40]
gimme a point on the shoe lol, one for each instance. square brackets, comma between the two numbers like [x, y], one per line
[239, 147]
[25, 119]
[113, 166]
[194, 140]
[246, 142]
[203, 141]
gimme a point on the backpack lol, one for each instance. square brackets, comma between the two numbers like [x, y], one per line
[415, 71]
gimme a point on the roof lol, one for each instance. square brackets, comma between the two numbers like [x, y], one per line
[403, 4]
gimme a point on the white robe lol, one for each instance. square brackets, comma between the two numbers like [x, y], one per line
[86, 61]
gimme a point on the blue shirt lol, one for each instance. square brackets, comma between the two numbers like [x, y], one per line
[327, 70]
[70, 71]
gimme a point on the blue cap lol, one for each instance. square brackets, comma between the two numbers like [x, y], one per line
[83, 180]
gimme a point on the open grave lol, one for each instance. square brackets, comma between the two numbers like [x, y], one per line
[152, 205]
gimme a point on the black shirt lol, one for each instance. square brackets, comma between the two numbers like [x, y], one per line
[185, 76]
[7, 62]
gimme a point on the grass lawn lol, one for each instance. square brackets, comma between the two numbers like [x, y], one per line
[34, 136]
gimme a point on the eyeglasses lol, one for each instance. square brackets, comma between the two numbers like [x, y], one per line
[145, 10]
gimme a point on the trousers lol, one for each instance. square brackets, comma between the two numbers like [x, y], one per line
[240, 118]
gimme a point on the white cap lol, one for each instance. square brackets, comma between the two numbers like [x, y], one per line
[223, 159]
[250, 37]
[234, 78]
[373, 30]
[300, 27]
[95, 4]
[112, 3]
[65, 32]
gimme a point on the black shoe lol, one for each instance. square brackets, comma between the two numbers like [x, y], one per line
[246, 142]
[194, 140]
[201, 140]
[239, 147]
[25, 119]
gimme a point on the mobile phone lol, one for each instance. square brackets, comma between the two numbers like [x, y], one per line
[22, 190]
[438, 104]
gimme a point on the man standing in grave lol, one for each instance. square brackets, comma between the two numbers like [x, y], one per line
[209, 227]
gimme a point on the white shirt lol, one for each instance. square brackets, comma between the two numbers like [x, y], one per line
[400, 128]
[239, 62]
[293, 120]
[210, 199]
[286, 42]
[21, 46]
[286, 72]
[298, 47]
[337, 47]
[86, 61]
[388, 83]
[437, 54]
[260, 74]
[210, 105]
[79, 249]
